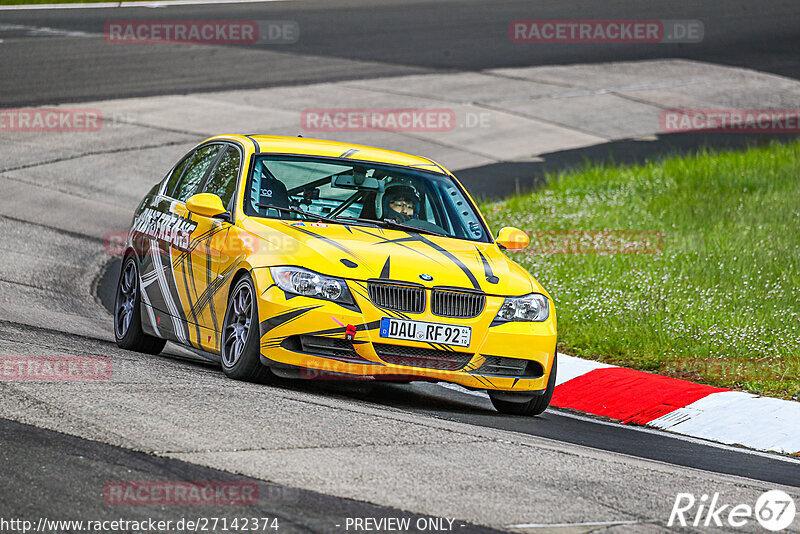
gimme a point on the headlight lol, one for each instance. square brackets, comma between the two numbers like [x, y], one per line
[534, 307]
[310, 284]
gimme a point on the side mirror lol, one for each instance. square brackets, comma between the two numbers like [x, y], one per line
[511, 238]
[207, 205]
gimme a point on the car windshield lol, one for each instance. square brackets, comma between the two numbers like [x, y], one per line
[357, 192]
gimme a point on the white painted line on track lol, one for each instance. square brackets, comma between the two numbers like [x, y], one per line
[41, 30]
[688, 439]
[570, 367]
[567, 525]
[737, 417]
[159, 3]
[461, 389]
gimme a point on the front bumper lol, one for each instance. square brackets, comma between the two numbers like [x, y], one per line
[311, 336]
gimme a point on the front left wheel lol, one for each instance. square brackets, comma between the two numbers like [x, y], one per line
[128, 331]
[535, 406]
[240, 336]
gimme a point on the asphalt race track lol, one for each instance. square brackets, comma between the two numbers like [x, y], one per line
[320, 453]
[62, 462]
[346, 41]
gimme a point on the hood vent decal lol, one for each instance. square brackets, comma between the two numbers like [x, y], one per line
[487, 268]
[385, 270]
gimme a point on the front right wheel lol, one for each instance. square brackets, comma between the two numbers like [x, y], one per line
[534, 406]
[240, 336]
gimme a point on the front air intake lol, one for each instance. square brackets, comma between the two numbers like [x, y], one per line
[444, 360]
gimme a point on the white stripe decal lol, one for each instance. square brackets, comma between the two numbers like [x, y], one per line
[149, 308]
[165, 292]
[150, 277]
[172, 269]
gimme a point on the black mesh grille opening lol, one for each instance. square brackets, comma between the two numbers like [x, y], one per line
[457, 304]
[496, 365]
[322, 346]
[400, 298]
[444, 360]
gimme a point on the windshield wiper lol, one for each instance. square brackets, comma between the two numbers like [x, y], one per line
[295, 209]
[391, 223]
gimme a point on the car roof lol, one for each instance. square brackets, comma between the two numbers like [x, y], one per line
[276, 144]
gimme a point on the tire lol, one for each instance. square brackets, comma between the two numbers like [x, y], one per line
[128, 331]
[241, 345]
[534, 406]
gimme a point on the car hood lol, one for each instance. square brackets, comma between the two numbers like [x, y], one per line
[362, 253]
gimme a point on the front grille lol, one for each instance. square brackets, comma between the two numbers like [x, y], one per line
[496, 365]
[396, 297]
[445, 303]
[444, 360]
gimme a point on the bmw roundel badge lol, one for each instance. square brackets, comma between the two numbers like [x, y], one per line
[426, 277]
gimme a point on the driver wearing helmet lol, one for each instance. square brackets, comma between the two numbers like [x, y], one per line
[400, 202]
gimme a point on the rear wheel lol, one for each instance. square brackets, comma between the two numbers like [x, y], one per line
[534, 406]
[128, 331]
[240, 336]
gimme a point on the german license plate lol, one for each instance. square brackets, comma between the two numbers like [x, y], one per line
[446, 334]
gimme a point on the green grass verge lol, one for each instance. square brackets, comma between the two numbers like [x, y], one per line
[718, 302]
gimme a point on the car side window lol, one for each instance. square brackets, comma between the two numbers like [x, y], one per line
[223, 179]
[195, 171]
[176, 174]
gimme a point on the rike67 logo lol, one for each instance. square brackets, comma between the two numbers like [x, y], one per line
[774, 510]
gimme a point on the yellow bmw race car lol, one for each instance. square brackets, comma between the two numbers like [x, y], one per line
[304, 258]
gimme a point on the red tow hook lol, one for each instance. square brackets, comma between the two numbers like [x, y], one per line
[350, 332]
